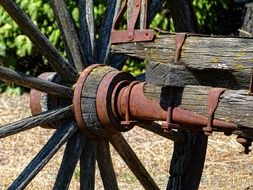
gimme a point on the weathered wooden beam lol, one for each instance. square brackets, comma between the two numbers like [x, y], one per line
[205, 60]
[234, 105]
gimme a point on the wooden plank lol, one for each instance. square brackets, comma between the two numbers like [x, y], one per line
[61, 136]
[59, 64]
[132, 161]
[234, 105]
[87, 29]
[33, 121]
[87, 165]
[105, 165]
[229, 59]
[69, 35]
[22, 79]
[71, 155]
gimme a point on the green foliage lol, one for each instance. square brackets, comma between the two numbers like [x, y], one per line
[17, 51]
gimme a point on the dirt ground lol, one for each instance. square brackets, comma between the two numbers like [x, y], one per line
[226, 166]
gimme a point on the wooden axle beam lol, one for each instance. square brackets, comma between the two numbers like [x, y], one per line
[204, 60]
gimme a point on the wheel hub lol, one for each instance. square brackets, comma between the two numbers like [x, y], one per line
[94, 99]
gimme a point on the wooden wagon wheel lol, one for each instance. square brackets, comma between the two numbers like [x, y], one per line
[79, 124]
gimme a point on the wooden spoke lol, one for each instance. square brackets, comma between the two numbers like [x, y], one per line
[105, 166]
[157, 129]
[33, 121]
[155, 6]
[69, 34]
[71, 155]
[187, 162]
[134, 164]
[87, 166]
[59, 64]
[103, 42]
[61, 136]
[117, 61]
[87, 29]
[35, 83]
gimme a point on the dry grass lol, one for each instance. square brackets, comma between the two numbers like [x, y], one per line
[226, 167]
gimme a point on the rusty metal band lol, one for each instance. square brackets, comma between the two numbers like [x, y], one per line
[180, 40]
[127, 123]
[37, 96]
[115, 93]
[77, 100]
[105, 97]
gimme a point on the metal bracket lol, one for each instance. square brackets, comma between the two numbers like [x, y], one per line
[131, 34]
[129, 123]
[213, 100]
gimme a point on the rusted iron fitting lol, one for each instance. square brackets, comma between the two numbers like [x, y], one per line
[131, 34]
[142, 108]
[245, 142]
[180, 40]
[213, 100]
[41, 102]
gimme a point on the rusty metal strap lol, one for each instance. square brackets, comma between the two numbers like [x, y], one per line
[131, 34]
[213, 101]
[180, 40]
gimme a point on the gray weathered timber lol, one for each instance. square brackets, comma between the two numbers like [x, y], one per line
[105, 165]
[87, 165]
[69, 35]
[103, 43]
[228, 59]
[71, 155]
[59, 64]
[157, 129]
[87, 29]
[33, 121]
[247, 26]
[132, 161]
[234, 105]
[19, 78]
[61, 136]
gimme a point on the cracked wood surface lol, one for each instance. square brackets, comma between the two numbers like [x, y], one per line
[205, 60]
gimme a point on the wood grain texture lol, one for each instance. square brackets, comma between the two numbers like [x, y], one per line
[61, 136]
[59, 64]
[19, 78]
[228, 59]
[88, 99]
[132, 161]
[33, 121]
[234, 105]
[87, 29]
[70, 158]
[69, 35]
[187, 165]
[87, 165]
[103, 43]
[105, 165]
